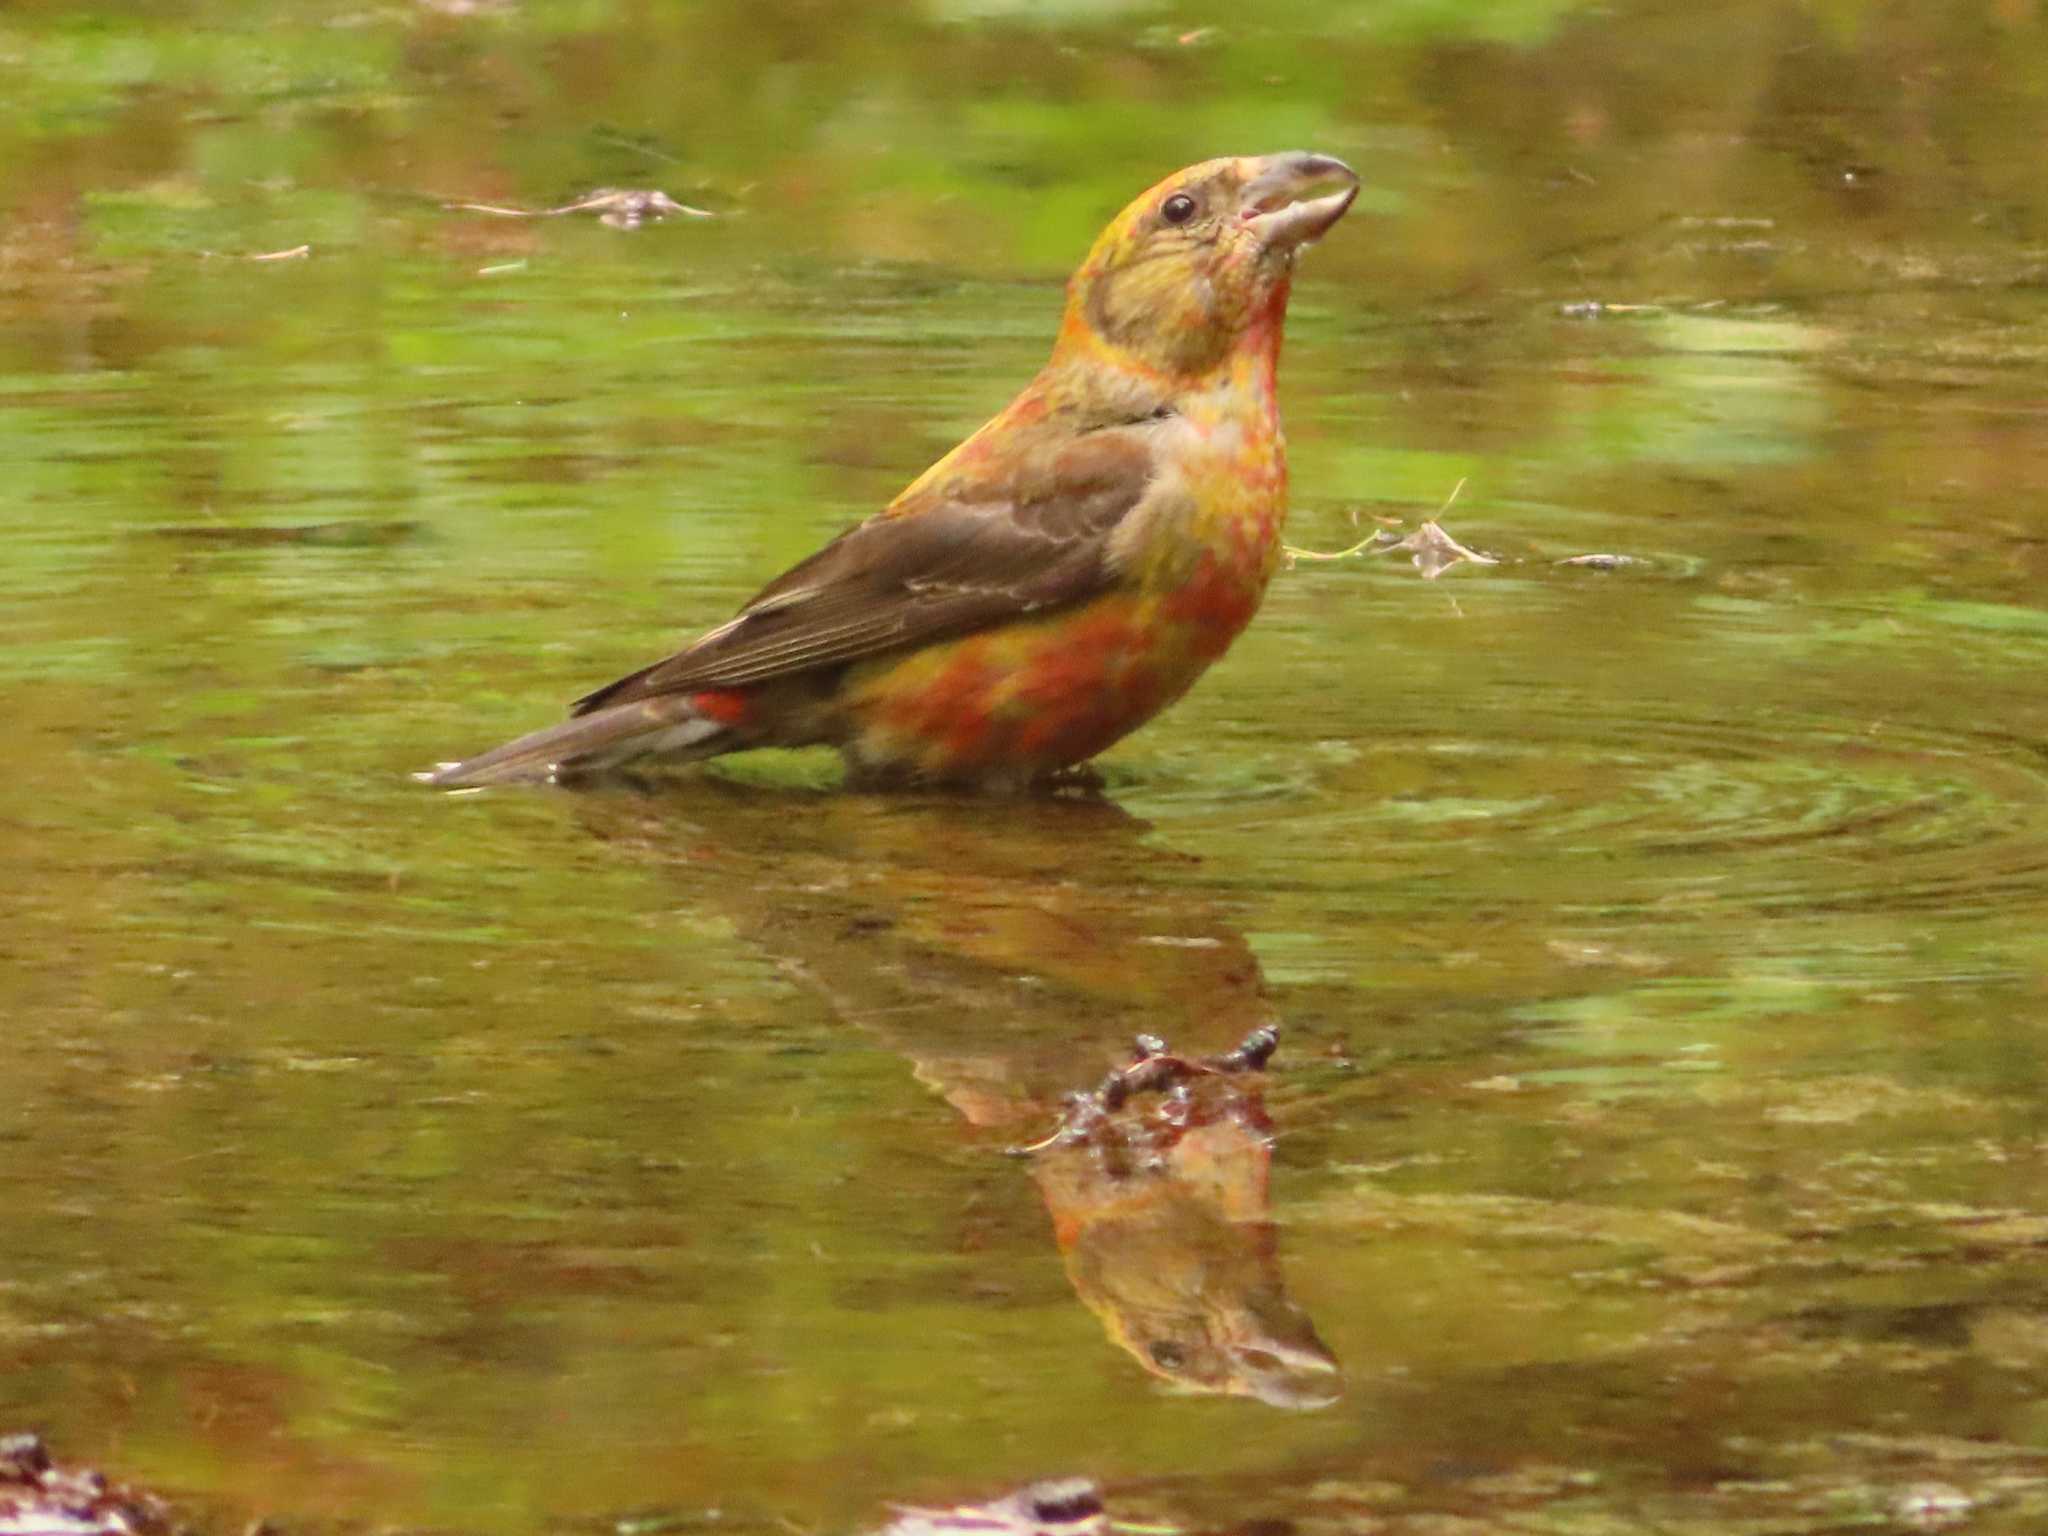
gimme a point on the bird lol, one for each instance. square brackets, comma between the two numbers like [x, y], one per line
[1056, 580]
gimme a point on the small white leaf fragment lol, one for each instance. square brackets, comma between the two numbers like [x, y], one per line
[1433, 550]
[1933, 1506]
[620, 207]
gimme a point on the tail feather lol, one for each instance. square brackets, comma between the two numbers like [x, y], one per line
[669, 726]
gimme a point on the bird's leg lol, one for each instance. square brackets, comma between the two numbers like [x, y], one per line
[1082, 781]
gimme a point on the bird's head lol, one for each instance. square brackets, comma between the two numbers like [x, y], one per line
[1203, 259]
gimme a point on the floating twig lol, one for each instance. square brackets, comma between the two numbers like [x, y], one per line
[620, 207]
[1434, 551]
[1152, 1069]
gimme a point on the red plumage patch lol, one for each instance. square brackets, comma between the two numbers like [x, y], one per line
[728, 707]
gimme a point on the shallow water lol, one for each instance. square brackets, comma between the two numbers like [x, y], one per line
[1659, 1120]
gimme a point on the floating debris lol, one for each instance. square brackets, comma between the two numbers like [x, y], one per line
[1933, 1506]
[1153, 1069]
[40, 1498]
[1594, 309]
[620, 207]
[1061, 1506]
[1171, 36]
[1601, 562]
[1600, 309]
[1434, 551]
[1575, 952]
[294, 253]
[1067, 1506]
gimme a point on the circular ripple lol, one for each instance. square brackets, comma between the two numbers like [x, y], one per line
[1814, 812]
[1546, 800]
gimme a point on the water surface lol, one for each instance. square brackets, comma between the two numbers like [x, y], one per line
[1658, 947]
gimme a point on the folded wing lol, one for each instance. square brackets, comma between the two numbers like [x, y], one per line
[960, 551]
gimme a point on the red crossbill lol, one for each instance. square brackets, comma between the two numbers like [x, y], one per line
[1056, 580]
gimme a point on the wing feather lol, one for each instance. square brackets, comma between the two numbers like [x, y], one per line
[958, 552]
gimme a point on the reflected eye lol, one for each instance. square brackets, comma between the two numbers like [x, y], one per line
[1177, 209]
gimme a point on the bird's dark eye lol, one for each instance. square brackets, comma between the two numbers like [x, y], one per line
[1177, 209]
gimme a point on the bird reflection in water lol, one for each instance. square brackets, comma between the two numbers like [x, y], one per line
[1157, 1184]
[999, 955]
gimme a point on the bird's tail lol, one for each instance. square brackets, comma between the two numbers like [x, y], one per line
[678, 727]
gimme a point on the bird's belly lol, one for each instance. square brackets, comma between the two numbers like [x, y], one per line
[1009, 706]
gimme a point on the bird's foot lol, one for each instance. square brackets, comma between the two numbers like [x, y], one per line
[1082, 781]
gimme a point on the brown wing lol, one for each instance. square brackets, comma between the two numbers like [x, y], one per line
[963, 552]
